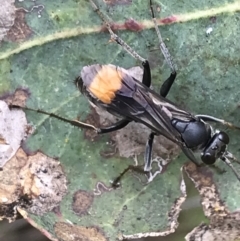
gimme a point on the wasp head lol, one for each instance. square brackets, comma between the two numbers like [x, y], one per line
[215, 148]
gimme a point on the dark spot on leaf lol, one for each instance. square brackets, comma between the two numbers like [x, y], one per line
[133, 25]
[94, 176]
[18, 97]
[169, 20]
[20, 30]
[57, 18]
[57, 211]
[213, 19]
[82, 201]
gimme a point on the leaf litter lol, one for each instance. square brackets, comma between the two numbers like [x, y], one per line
[34, 182]
[224, 225]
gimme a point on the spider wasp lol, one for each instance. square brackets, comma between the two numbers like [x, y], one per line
[117, 91]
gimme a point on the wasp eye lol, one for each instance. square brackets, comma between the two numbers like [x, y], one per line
[208, 158]
[222, 136]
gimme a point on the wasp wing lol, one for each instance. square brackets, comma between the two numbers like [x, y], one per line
[139, 103]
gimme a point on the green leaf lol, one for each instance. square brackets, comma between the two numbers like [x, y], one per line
[45, 52]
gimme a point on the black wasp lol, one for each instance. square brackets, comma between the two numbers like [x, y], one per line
[117, 91]
[114, 89]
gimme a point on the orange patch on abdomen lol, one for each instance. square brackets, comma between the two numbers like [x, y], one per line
[105, 84]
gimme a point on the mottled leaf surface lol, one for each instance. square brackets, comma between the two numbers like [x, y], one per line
[55, 40]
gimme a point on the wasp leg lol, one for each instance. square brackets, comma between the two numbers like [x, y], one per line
[217, 120]
[72, 122]
[166, 86]
[162, 45]
[114, 36]
[147, 73]
[146, 80]
[147, 159]
[116, 182]
[148, 153]
[116, 126]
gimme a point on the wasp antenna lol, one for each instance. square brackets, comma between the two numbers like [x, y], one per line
[72, 122]
[217, 120]
[114, 36]
[162, 45]
[228, 162]
[229, 124]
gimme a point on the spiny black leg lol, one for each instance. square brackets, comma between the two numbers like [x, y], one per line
[167, 84]
[116, 182]
[148, 153]
[114, 36]
[147, 159]
[72, 122]
[146, 80]
[147, 73]
[116, 126]
[162, 45]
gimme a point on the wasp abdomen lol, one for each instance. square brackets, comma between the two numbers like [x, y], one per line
[102, 81]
